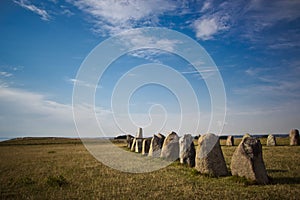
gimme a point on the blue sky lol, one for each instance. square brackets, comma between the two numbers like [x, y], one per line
[255, 45]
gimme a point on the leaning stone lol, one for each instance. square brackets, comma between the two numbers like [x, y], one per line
[138, 145]
[209, 156]
[133, 144]
[187, 150]
[170, 148]
[247, 161]
[271, 141]
[156, 145]
[146, 146]
[294, 137]
[230, 141]
[129, 140]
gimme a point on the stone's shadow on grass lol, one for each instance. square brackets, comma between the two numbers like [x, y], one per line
[276, 170]
[285, 180]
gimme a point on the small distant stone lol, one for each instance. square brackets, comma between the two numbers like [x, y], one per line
[133, 144]
[170, 148]
[156, 145]
[230, 141]
[138, 145]
[140, 133]
[129, 141]
[187, 151]
[146, 146]
[294, 137]
[246, 135]
[271, 140]
[247, 161]
[209, 156]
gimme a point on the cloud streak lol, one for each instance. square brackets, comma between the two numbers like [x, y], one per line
[27, 5]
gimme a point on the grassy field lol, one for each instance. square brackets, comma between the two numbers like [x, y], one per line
[52, 168]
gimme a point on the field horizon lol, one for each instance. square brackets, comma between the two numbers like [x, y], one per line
[61, 168]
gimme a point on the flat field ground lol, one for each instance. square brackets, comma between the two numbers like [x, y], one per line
[56, 168]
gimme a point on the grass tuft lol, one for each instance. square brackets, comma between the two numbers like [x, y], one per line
[57, 181]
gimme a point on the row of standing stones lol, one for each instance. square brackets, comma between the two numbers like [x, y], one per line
[247, 160]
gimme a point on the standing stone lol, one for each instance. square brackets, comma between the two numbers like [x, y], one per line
[146, 146]
[209, 156]
[170, 148]
[246, 135]
[247, 161]
[294, 137]
[129, 140]
[140, 133]
[156, 145]
[187, 150]
[230, 141]
[133, 144]
[138, 145]
[271, 141]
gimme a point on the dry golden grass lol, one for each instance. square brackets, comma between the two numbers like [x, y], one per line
[64, 169]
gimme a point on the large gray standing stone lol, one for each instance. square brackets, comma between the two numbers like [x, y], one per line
[170, 148]
[138, 145]
[247, 161]
[271, 140]
[187, 151]
[294, 137]
[146, 146]
[230, 141]
[129, 140]
[209, 156]
[133, 144]
[156, 145]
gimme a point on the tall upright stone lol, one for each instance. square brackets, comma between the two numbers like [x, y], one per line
[133, 144]
[209, 156]
[294, 137]
[247, 161]
[230, 141]
[271, 140]
[146, 146]
[156, 145]
[187, 151]
[129, 141]
[170, 148]
[138, 145]
[139, 133]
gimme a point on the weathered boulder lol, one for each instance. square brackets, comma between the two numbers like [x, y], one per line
[133, 144]
[271, 140]
[156, 145]
[170, 148]
[146, 146]
[247, 161]
[209, 156]
[294, 137]
[230, 141]
[129, 140]
[187, 151]
[138, 145]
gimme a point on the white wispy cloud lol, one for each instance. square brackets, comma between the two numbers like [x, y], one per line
[114, 16]
[207, 27]
[25, 113]
[29, 6]
[5, 74]
[82, 83]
